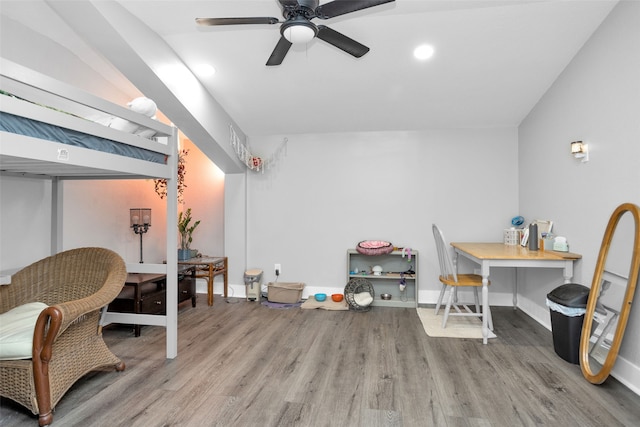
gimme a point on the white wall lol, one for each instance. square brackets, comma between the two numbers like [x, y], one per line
[97, 213]
[204, 194]
[331, 191]
[597, 100]
[25, 221]
[235, 231]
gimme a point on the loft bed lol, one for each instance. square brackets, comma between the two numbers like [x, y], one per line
[52, 130]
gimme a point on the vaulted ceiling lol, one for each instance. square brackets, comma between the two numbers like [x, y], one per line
[493, 59]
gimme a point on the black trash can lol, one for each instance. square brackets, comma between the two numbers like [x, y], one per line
[567, 305]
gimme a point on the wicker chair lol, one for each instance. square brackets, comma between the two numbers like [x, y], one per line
[67, 342]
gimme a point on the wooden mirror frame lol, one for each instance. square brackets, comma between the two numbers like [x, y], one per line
[599, 377]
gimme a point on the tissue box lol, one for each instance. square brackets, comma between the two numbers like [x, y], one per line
[286, 293]
[560, 244]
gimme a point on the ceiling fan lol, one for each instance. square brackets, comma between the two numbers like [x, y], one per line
[298, 28]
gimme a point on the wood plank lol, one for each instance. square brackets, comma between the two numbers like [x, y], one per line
[243, 364]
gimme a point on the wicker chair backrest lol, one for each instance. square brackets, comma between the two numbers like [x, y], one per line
[70, 275]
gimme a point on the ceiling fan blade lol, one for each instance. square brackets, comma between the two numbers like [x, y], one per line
[237, 21]
[341, 41]
[279, 52]
[341, 7]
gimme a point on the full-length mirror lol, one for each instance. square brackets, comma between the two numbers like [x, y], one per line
[611, 295]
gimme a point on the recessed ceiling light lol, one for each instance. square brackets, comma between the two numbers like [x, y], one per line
[423, 52]
[204, 70]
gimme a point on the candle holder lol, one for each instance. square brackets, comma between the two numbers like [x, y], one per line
[140, 221]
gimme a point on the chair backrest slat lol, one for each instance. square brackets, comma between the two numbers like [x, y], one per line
[444, 258]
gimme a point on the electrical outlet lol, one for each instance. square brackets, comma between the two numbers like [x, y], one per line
[278, 269]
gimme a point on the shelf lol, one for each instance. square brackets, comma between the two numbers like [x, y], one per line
[392, 264]
[394, 302]
[394, 276]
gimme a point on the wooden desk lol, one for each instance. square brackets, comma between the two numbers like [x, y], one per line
[208, 268]
[489, 255]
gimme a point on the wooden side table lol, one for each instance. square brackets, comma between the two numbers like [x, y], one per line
[208, 268]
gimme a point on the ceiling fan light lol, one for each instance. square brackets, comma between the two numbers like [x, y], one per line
[299, 33]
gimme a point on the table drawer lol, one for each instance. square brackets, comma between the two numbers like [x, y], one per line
[186, 289]
[154, 303]
[122, 305]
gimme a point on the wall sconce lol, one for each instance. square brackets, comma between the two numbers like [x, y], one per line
[580, 151]
[140, 221]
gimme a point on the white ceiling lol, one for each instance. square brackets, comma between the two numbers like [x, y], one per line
[493, 60]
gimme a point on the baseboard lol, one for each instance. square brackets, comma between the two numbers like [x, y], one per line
[627, 373]
[496, 299]
[234, 291]
[535, 311]
[624, 371]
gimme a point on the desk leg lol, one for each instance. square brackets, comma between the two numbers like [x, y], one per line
[568, 271]
[210, 286]
[226, 276]
[485, 304]
[515, 289]
[226, 284]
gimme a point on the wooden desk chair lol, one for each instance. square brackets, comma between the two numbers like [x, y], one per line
[452, 280]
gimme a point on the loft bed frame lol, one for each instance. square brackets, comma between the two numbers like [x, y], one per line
[36, 99]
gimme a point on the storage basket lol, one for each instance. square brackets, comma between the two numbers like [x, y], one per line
[285, 293]
[356, 286]
[511, 236]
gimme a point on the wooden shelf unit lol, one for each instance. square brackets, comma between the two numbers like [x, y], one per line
[393, 264]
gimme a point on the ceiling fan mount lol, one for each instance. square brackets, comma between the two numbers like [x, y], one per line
[298, 28]
[304, 8]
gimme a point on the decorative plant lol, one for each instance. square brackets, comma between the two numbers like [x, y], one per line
[161, 184]
[185, 230]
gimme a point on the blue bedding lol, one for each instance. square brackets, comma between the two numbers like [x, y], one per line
[24, 126]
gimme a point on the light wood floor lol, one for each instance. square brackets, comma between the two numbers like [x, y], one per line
[242, 364]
